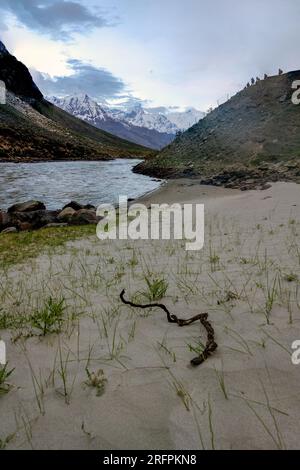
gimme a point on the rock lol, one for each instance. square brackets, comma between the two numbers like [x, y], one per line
[265, 186]
[66, 214]
[89, 206]
[55, 225]
[74, 205]
[4, 220]
[29, 206]
[188, 172]
[37, 218]
[84, 217]
[48, 217]
[9, 230]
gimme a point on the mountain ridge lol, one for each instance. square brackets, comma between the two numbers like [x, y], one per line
[17, 77]
[254, 135]
[85, 108]
[32, 129]
[143, 126]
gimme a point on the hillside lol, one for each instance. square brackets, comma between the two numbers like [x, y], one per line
[32, 129]
[255, 135]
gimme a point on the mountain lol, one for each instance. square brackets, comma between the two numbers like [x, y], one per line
[161, 119]
[102, 117]
[152, 127]
[140, 117]
[253, 136]
[17, 77]
[32, 129]
[183, 120]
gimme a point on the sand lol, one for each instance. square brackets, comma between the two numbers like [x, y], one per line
[245, 396]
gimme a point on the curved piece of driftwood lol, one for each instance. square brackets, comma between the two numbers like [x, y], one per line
[211, 345]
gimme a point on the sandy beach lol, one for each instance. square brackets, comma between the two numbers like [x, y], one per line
[115, 377]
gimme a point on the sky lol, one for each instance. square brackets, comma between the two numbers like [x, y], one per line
[174, 53]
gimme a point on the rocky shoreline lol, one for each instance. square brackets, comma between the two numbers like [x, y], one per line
[233, 177]
[33, 215]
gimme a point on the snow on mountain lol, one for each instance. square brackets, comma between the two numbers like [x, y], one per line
[153, 127]
[185, 119]
[82, 107]
[141, 117]
[107, 119]
[161, 119]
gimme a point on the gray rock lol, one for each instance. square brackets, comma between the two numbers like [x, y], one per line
[4, 220]
[74, 205]
[37, 219]
[9, 230]
[66, 214]
[29, 206]
[84, 217]
[265, 186]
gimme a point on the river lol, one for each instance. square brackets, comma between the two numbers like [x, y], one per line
[56, 183]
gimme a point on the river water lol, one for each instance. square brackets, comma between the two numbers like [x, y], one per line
[56, 183]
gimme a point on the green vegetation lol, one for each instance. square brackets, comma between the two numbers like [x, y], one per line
[4, 375]
[18, 247]
[157, 289]
[49, 319]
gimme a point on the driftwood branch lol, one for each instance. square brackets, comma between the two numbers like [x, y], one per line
[211, 345]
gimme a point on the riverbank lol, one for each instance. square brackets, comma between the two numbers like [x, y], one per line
[103, 375]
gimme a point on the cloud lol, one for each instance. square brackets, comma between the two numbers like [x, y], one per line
[129, 101]
[58, 18]
[99, 83]
[3, 26]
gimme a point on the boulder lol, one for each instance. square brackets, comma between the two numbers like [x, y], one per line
[47, 217]
[74, 205]
[9, 230]
[84, 217]
[29, 206]
[4, 220]
[36, 219]
[265, 186]
[66, 214]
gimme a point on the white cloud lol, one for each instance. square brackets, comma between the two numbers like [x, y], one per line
[172, 52]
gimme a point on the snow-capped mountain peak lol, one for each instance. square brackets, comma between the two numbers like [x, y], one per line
[140, 117]
[185, 119]
[152, 127]
[81, 106]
